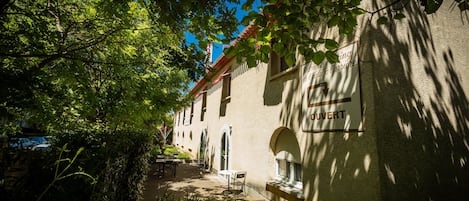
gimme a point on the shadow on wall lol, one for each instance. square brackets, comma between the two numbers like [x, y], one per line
[212, 158]
[422, 122]
[337, 166]
[421, 116]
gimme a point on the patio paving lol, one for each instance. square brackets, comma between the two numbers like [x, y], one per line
[190, 181]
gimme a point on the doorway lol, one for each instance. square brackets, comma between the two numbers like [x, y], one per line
[225, 151]
[203, 150]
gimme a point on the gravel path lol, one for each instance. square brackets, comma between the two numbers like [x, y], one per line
[190, 181]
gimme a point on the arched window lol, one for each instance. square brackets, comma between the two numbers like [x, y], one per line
[288, 165]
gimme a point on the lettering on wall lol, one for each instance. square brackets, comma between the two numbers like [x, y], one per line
[331, 94]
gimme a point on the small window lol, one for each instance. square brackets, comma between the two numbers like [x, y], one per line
[282, 168]
[297, 173]
[204, 105]
[288, 180]
[192, 113]
[184, 117]
[179, 118]
[225, 93]
[289, 172]
[226, 90]
[278, 64]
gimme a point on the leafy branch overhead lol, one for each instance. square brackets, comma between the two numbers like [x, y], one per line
[110, 64]
[125, 64]
[289, 24]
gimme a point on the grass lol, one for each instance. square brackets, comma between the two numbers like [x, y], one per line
[170, 150]
[173, 151]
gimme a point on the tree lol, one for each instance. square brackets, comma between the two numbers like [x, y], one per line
[96, 63]
[289, 23]
[113, 64]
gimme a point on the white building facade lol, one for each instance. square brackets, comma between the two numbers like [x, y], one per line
[388, 122]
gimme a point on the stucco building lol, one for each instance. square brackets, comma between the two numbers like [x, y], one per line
[388, 122]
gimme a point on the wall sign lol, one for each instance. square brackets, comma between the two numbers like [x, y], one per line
[331, 94]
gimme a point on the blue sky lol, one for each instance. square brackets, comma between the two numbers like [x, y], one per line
[218, 48]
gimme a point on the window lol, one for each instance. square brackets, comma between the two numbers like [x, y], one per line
[204, 105]
[184, 117]
[297, 173]
[226, 90]
[281, 168]
[192, 113]
[289, 172]
[288, 179]
[277, 63]
[179, 118]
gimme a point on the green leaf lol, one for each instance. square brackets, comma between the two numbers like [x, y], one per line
[355, 2]
[264, 49]
[203, 44]
[357, 11]
[230, 51]
[251, 60]
[247, 5]
[264, 57]
[245, 21]
[318, 57]
[308, 54]
[431, 6]
[351, 22]
[331, 44]
[399, 16]
[382, 20]
[278, 48]
[463, 6]
[333, 21]
[332, 57]
[290, 59]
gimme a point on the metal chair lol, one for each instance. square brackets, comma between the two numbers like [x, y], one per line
[238, 181]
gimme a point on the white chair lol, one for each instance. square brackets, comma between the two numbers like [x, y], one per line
[238, 181]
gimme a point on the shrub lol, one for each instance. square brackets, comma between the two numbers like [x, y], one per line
[118, 159]
[154, 152]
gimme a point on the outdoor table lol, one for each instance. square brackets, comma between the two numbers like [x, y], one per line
[162, 162]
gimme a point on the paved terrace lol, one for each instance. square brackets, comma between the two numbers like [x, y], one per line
[191, 181]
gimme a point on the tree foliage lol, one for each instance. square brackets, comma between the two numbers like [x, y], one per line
[113, 64]
[95, 63]
[289, 24]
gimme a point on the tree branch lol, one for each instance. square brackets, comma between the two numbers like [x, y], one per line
[385, 7]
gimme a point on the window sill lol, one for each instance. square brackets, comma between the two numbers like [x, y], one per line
[283, 73]
[285, 190]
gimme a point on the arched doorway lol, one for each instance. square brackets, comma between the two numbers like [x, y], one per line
[225, 151]
[202, 156]
[225, 148]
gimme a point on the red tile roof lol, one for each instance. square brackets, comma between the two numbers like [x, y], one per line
[220, 65]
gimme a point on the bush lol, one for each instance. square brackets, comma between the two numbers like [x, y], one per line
[154, 152]
[118, 159]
